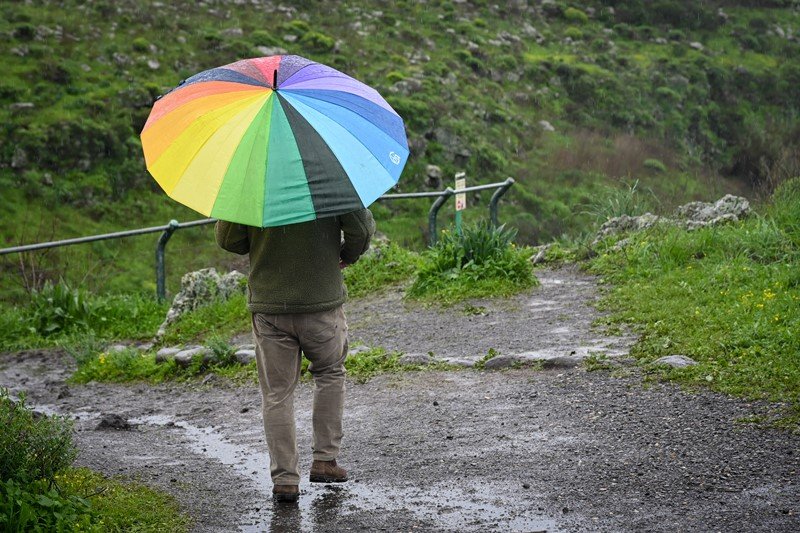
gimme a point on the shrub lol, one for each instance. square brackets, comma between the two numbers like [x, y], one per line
[481, 260]
[264, 38]
[317, 41]
[222, 350]
[140, 44]
[576, 15]
[32, 448]
[59, 308]
[573, 33]
[394, 76]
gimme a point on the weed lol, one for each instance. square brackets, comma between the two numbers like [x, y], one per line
[617, 202]
[481, 363]
[597, 361]
[32, 448]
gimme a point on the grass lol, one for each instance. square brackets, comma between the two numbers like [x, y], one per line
[131, 366]
[385, 266]
[123, 505]
[223, 318]
[729, 297]
[61, 315]
[75, 165]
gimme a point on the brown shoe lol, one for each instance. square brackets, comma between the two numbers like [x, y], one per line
[327, 472]
[285, 493]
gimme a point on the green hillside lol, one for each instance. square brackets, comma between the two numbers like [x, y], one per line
[689, 102]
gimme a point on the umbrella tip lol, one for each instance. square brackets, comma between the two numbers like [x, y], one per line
[275, 79]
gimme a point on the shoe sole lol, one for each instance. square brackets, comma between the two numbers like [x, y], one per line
[326, 479]
[285, 498]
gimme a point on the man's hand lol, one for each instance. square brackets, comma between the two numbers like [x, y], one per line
[342, 264]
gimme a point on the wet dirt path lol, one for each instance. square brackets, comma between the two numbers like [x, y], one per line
[515, 450]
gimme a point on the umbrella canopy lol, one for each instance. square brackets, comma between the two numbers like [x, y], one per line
[274, 140]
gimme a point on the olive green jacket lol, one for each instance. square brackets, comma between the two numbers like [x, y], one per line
[295, 268]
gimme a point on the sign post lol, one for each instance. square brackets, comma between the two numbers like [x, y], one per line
[461, 198]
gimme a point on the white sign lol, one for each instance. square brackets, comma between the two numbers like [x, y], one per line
[461, 198]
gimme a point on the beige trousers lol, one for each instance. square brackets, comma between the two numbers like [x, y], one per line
[280, 340]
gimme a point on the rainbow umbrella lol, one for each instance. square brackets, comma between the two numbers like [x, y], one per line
[274, 140]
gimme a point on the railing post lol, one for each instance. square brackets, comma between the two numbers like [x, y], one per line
[447, 193]
[495, 198]
[161, 289]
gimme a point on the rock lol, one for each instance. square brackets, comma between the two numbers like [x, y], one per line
[184, 357]
[546, 126]
[233, 32]
[153, 64]
[554, 361]
[690, 216]
[113, 421]
[165, 354]
[289, 38]
[455, 361]
[675, 361]
[412, 359]
[232, 283]
[502, 361]
[624, 224]
[245, 357]
[271, 50]
[19, 106]
[116, 348]
[711, 214]
[358, 349]
[541, 254]
[210, 378]
[696, 46]
[144, 346]
[434, 173]
[406, 87]
[201, 288]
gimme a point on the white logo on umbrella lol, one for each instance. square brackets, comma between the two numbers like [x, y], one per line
[394, 157]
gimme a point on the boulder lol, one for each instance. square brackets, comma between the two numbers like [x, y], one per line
[200, 288]
[184, 357]
[689, 216]
[165, 354]
[245, 357]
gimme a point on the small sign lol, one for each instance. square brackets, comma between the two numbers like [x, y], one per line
[461, 198]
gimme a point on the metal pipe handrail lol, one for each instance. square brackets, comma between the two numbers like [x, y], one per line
[103, 237]
[168, 229]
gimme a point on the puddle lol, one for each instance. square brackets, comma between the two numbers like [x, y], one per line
[320, 504]
[476, 507]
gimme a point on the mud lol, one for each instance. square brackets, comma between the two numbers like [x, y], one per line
[515, 450]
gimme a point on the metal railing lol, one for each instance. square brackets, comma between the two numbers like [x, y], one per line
[174, 225]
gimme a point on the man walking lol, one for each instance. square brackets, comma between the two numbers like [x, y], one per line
[295, 295]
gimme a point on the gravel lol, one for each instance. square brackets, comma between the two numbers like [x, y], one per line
[521, 449]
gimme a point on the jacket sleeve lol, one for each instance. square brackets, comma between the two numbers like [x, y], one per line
[232, 237]
[358, 228]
